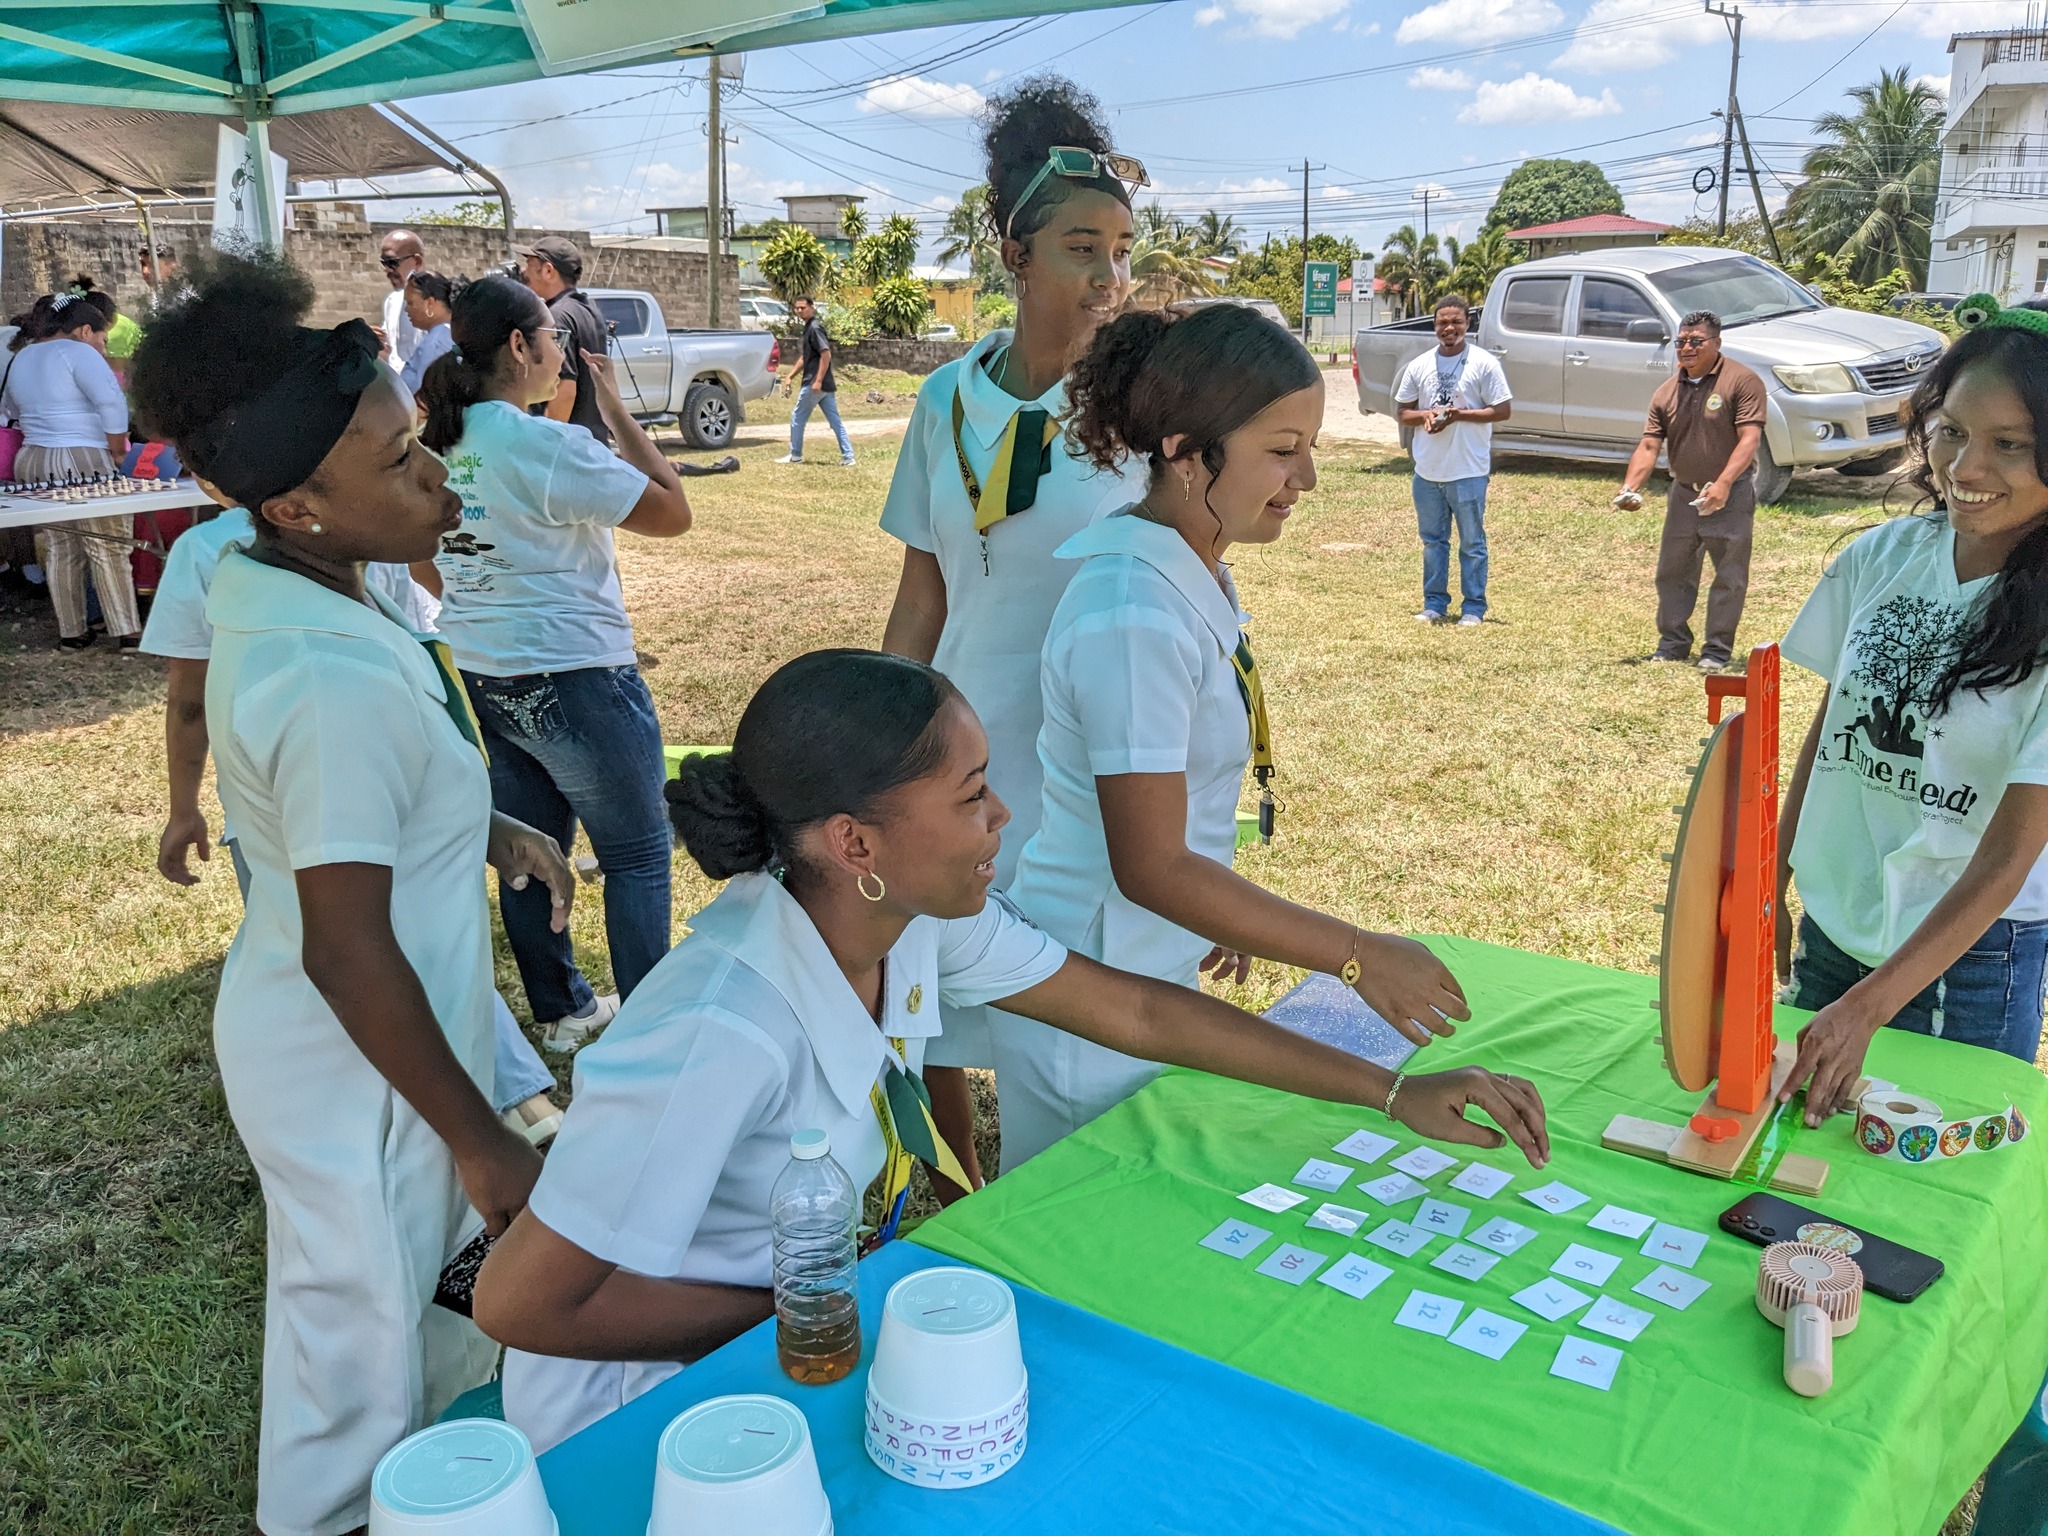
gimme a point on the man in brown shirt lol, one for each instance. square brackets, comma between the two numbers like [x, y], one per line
[1709, 418]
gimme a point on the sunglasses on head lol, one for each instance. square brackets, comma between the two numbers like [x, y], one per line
[1078, 165]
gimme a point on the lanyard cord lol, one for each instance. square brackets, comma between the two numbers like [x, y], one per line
[1253, 693]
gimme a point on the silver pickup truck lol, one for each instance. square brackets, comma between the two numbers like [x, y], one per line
[1586, 340]
[701, 380]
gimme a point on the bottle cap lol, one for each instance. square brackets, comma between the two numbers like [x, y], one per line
[805, 1145]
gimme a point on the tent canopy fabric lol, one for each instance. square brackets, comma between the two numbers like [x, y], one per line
[235, 58]
[56, 150]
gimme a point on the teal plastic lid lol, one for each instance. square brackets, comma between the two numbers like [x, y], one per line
[950, 1301]
[731, 1439]
[451, 1467]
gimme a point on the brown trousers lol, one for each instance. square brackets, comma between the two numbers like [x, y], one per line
[1690, 539]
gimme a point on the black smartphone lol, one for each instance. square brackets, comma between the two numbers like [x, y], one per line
[1894, 1272]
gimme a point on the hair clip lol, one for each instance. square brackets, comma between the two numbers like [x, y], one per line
[1980, 311]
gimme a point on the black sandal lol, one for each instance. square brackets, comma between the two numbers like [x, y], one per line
[76, 642]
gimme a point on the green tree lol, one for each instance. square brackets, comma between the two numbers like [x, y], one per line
[853, 222]
[1217, 234]
[890, 251]
[479, 212]
[795, 263]
[1152, 219]
[1166, 267]
[1745, 233]
[1868, 189]
[1273, 271]
[1547, 191]
[968, 232]
[1414, 269]
[900, 304]
[1474, 266]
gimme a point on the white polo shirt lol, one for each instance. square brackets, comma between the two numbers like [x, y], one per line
[529, 583]
[996, 616]
[742, 1035]
[1137, 678]
[177, 624]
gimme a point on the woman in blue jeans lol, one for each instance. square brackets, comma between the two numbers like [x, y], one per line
[1916, 818]
[531, 608]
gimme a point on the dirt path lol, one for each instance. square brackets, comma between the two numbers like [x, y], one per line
[1342, 419]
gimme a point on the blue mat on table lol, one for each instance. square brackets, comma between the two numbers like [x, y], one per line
[1127, 1435]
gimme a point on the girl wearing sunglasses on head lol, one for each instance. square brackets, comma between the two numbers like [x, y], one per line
[985, 491]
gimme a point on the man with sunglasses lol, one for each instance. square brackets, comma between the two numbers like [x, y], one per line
[400, 253]
[1709, 418]
[554, 266]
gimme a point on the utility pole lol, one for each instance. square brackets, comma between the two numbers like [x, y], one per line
[714, 222]
[1756, 188]
[1731, 16]
[1426, 191]
[1304, 168]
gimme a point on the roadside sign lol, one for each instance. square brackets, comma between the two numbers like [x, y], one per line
[1319, 288]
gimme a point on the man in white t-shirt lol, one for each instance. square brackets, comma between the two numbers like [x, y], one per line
[1451, 397]
[400, 253]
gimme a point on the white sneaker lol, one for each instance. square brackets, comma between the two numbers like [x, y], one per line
[537, 1119]
[1469, 618]
[568, 1034]
[1426, 617]
[789, 458]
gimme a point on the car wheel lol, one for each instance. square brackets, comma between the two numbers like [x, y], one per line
[1772, 478]
[709, 416]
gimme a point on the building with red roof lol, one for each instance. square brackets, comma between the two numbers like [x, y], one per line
[1595, 232]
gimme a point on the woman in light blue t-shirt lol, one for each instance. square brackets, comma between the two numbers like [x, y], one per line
[531, 609]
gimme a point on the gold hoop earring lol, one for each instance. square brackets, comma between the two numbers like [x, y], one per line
[861, 885]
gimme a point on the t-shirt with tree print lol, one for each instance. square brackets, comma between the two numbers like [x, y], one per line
[1901, 794]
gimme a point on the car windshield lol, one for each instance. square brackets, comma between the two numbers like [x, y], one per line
[1737, 288]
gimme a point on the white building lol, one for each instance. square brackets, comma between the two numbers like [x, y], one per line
[1991, 217]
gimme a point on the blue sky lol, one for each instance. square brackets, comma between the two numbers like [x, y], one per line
[1219, 97]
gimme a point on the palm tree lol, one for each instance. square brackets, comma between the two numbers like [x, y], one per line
[1868, 193]
[1217, 234]
[1476, 265]
[1166, 267]
[968, 232]
[1413, 268]
[1155, 222]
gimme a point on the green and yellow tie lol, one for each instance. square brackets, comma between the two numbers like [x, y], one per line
[909, 1136]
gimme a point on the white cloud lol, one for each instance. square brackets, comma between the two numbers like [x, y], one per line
[1282, 18]
[1534, 99]
[1461, 21]
[1431, 78]
[1209, 15]
[1618, 35]
[1935, 83]
[914, 96]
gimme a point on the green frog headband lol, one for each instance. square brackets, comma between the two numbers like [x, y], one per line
[1981, 312]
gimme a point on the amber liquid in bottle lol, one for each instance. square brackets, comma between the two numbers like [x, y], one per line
[817, 1339]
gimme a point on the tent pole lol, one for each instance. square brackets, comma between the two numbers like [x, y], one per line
[435, 139]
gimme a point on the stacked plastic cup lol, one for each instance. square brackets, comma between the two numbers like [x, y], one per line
[947, 1400]
[738, 1464]
[467, 1477]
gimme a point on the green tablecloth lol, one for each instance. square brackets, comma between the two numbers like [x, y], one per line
[1699, 1434]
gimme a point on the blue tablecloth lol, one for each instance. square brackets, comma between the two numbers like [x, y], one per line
[1127, 1435]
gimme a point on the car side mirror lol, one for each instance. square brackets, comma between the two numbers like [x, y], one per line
[1649, 332]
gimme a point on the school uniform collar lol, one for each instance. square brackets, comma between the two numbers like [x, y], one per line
[987, 406]
[250, 596]
[1126, 533]
[761, 925]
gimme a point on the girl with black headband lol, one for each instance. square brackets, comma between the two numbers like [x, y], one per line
[353, 1026]
[1154, 709]
[984, 492]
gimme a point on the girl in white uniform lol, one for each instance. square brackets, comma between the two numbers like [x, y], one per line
[1153, 708]
[855, 822]
[357, 1063]
[979, 578]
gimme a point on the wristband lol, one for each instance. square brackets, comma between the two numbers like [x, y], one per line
[1387, 1108]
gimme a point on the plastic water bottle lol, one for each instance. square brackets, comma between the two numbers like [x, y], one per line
[817, 1311]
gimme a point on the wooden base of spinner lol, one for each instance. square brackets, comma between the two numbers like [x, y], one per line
[1717, 969]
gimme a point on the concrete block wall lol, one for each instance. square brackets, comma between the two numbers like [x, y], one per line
[340, 254]
[917, 356]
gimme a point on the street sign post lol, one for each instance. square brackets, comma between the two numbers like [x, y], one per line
[1318, 291]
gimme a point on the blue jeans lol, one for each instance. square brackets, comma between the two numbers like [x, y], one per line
[570, 747]
[829, 404]
[1437, 504]
[1991, 997]
[518, 1071]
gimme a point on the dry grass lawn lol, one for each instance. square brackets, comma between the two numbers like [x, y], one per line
[1509, 782]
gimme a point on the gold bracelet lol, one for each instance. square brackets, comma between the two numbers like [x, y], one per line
[1387, 1108]
[1348, 972]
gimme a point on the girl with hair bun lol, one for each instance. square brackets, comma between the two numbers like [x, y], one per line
[855, 825]
[1154, 709]
[427, 297]
[532, 609]
[353, 1026]
[984, 492]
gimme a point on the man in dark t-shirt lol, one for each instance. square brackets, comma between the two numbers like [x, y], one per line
[815, 386]
[553, 267]
[1708, 418]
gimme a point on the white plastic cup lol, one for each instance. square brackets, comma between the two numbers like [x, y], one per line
[948, 1348]
[946, 1453]
[467, 1477]
[743, 1465]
